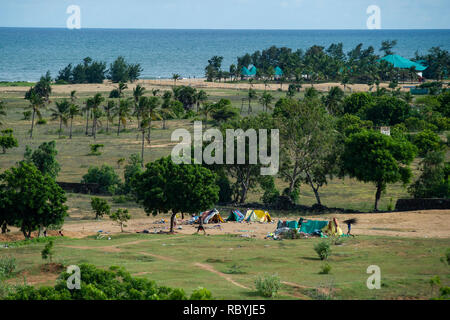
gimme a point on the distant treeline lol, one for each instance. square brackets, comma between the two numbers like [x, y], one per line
[318, 63]
[90, 71]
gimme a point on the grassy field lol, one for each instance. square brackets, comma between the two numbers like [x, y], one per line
[228, 265]
[75, 159]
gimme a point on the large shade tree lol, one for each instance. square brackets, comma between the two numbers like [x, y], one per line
[370, 156]
[31, 200]
[177, 188]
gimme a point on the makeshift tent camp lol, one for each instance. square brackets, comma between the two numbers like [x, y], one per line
[310, 226]
[212, 216]
[257, 216]
[235, 215]
[287, 224]
[402, 63]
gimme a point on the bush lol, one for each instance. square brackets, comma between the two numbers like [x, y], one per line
[105, 177]
[95, 149]
[26, 115]
[325, 269]
[323, 250]
[41, 121]
[7, 266]
[201, 294]
[427, 141]
[433, 181]
[47, 252]
[98, 284]
[100, 207]
[268, 285]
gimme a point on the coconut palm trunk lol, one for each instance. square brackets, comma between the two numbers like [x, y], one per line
[71, 123]
[32, 124]
[60, 127]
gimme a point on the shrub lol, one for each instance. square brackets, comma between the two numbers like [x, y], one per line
[268, 285]
[95, 149]
[7, 140]
[325, 269]
[26, 115]
[121, 216]
[100, 207]
[47, 252]
[323, 250]
[433, 181]
[201, 294]
[105, 177]
[41, 121]
[98, 284]
[7, 266]
[427, 141]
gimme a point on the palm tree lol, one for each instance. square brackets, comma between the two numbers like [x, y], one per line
[333, 100]
[138, 92]
[60, 112]
[73, 96]
[96, 101]
[266, 100]
[121, 88]
[152, 113]
[123, 113]
[206, 110]
[2, 110]
[143, 126]
[175, 77]
[87, 110]
[73, 111]
[109, 113]
[166, 110]
[36, 103]
[251, 95]
[202, 96]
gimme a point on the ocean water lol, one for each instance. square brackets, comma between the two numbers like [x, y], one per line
[27, 53]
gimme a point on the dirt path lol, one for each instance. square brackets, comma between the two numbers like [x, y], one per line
[223, 275]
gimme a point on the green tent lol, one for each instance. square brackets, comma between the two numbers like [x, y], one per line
[312, 225]
[402, 63]
[289, 224]
[278, 71]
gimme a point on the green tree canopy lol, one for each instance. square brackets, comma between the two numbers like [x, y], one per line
[31, 199]
[370, 156]
[44, 158]
[180, 188]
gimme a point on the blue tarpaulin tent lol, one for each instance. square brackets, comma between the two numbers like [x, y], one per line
[278, 71]
[402, 63]
[245, 72]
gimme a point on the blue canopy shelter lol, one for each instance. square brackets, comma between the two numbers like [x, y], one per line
[402, 63]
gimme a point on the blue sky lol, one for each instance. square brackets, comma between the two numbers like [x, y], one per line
[227, 14]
